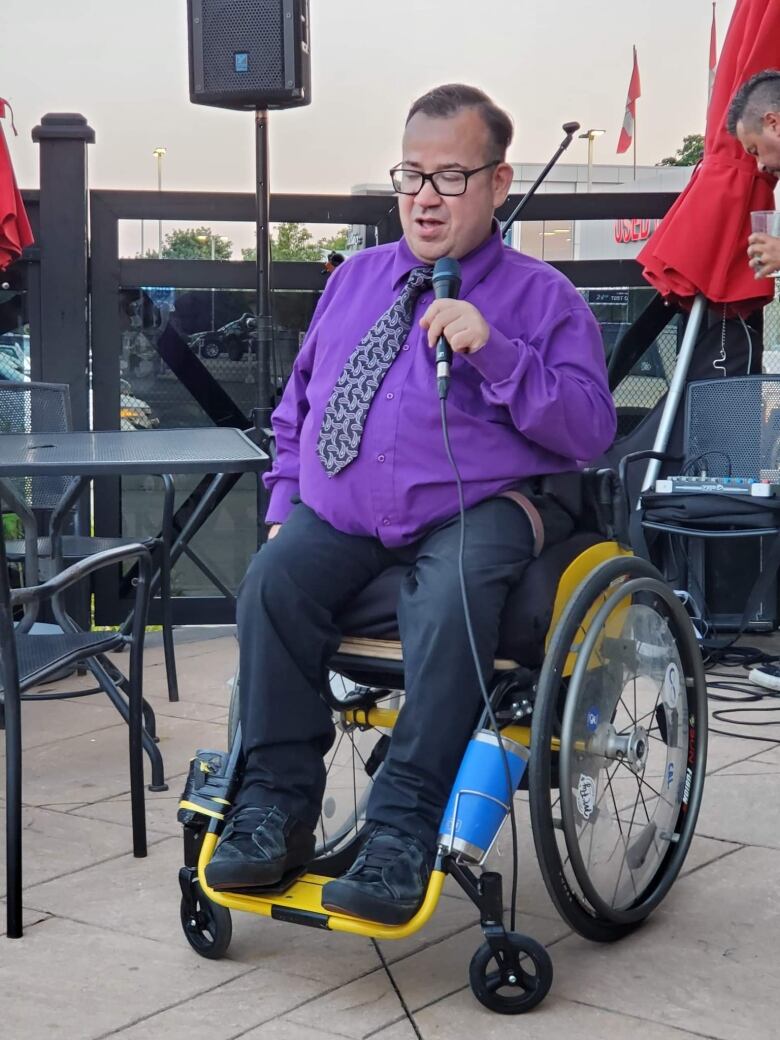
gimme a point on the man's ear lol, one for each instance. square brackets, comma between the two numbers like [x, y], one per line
[502, 182]
[771, 122]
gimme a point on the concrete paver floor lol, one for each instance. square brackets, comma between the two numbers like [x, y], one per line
[103, 954]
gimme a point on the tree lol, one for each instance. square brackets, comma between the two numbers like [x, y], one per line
[192, 244]
[335, 242]
[691, 152]
[293, 241]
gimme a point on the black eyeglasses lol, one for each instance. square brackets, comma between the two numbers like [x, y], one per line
[445, 182]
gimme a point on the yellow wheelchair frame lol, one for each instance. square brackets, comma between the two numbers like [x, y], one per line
[583, 621]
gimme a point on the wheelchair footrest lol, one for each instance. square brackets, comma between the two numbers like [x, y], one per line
[301, 903]
[268, 891]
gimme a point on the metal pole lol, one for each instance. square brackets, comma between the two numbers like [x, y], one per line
[590, 161]
[569, 129]
[213, 326]
[159, 190]
[676, 387]
[158, 153]
[264, 330]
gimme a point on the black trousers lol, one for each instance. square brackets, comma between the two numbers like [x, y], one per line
[295, 587]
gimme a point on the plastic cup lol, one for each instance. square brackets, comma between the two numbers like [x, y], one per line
[765, 222]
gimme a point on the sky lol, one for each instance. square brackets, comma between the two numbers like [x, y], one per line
[124, 66]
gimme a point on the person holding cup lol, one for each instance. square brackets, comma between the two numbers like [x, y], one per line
[754, 119]
[764, 243]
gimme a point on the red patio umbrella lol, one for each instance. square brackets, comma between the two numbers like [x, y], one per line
[700, 246]
[15, 231]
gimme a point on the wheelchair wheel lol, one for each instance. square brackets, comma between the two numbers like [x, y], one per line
[351, 766]
[622, 702]
[207, 926]
[516, 982]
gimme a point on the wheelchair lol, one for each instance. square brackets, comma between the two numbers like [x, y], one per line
[599, 676]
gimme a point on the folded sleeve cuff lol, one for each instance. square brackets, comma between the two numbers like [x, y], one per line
[498, 359]
[281, 503]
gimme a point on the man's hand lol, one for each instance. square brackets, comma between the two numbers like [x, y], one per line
[273, 531]
[764, 254]
[462, 324]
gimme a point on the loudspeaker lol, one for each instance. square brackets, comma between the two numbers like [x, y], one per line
[722, 571]
[249, 54]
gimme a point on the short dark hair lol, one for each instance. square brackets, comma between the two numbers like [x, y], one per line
[448, 100]
[761, 94]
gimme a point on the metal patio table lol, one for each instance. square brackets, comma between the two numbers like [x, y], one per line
[220, 451]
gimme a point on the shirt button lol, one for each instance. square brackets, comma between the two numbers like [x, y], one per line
[390, 397]
[386, 521]
[380, 458]
[405, 346]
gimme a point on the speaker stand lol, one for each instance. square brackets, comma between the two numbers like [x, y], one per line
[264, 332]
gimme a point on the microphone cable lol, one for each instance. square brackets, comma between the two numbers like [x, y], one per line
[474, 651]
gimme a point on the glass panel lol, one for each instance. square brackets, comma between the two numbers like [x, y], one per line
[225, 240]
[225, 543]
[616, 309]
[14, 336]
[217, 327]
[185, 240]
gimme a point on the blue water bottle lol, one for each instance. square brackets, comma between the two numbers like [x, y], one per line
[480, 801]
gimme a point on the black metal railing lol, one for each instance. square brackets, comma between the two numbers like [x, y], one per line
[122, 298]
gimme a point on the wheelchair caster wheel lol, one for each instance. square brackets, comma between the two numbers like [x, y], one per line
[207, 925]
[505, 981]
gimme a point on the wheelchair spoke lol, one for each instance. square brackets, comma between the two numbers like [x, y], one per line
[641, 780]
[625, 856]
[354, 783]
[348, 783]
[335, 752]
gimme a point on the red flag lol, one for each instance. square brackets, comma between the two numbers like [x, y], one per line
[713, 54]
[629, 120]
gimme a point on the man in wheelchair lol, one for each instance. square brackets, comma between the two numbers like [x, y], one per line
[362, 481]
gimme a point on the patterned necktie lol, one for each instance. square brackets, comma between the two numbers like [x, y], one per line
[345, 414]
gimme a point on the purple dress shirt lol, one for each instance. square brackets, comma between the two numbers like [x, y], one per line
[533, 400]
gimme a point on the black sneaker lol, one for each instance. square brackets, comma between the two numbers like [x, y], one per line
[259, 847]
[387, 881]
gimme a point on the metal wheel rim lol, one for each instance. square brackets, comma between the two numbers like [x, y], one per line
[656, 876]
[558, 875]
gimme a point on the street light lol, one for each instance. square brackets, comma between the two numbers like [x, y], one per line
[158, 153]
[591, 135]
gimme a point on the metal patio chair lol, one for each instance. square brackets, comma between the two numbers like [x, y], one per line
[27, 659]
[45, 408]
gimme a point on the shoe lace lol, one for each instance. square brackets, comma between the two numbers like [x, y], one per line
[381, 849]
[247, 820]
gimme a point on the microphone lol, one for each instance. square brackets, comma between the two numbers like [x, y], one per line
[446, 286]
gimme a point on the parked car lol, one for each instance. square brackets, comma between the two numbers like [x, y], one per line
[234, 339]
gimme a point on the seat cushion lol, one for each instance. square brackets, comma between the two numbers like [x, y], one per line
[526, 617]
[40, 655]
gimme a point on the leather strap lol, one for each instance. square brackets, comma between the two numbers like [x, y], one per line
[534, 517]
